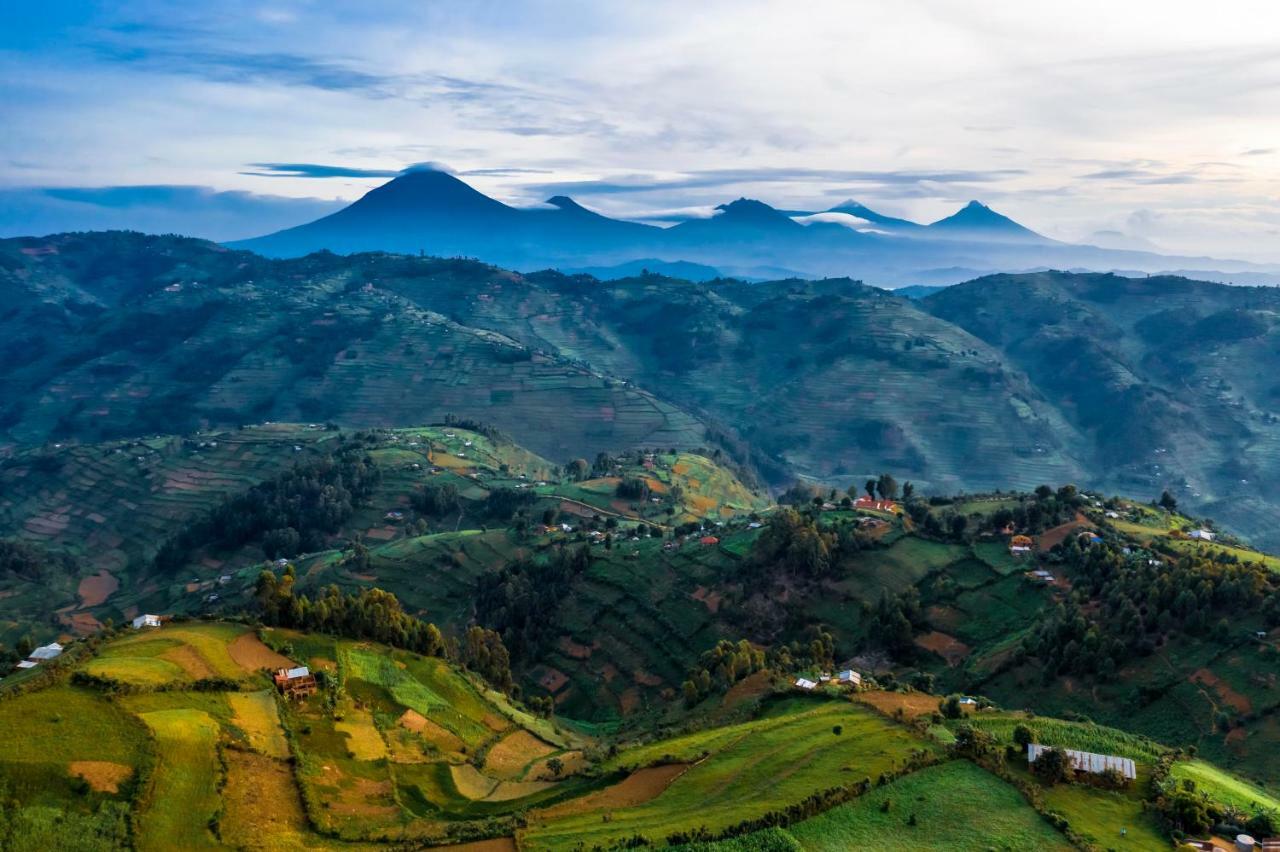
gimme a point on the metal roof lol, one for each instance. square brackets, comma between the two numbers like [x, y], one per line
[1087, 761]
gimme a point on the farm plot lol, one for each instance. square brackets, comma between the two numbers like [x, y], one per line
[1109, 819]
[184, 792]
[255, 714]
[752, 768]
[955, 806]
[173, 654]
[1225, 788]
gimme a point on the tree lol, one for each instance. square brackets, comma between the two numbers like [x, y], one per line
[1024, 735]
[887, 486]
[908, 491]
[1052, 766]
[578, 470]
[871, 488]
[556, 765]
[950, 707]
[1168, 502]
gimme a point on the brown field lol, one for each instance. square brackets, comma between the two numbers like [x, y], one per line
[190, 661]
[261, 805]
[574, 649]
[95, 590]
[574, 762]
[949, 648]
[508, 758]
[746, 689]
[553, 680]
[636, 789]
[250, 654]
[913, 704]
[1050, 538]
[431, 732]
[103, 776]
[1238, 702]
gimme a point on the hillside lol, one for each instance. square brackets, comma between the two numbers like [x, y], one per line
[971, 389]
[1171, 381]
[109, 510]
[175, 736]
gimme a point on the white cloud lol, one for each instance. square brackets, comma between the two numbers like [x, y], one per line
[1048, 92]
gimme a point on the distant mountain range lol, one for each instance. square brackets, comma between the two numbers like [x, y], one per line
[433, 212]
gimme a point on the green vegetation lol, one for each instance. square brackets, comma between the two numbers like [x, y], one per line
[183, 799]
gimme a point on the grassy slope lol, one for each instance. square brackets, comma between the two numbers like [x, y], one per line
[752, 768]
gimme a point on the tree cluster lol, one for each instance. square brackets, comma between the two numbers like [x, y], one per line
[520, 600]
[288, 514]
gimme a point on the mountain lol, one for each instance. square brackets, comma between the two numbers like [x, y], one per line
[671, 269]
[976, 221]
[433, 212]
[890, 223]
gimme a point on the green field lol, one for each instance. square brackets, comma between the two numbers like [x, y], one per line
[956, 806]
[184, 789]
[1225, 788]
[1076, 735]
[751, 769]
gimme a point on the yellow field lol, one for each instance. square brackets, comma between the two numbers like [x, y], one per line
[256, 714]
[184, 789]
[364, 742]
[509, 757]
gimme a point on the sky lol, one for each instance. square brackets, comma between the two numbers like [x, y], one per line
[1137, 123]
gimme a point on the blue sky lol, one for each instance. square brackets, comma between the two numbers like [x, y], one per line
[1152, 121]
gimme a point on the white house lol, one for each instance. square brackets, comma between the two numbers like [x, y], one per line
[47, 652]
[28, 664]
[1203, 535]
[849, 677]
[1086, 761]
[805, 683]
[146, 621]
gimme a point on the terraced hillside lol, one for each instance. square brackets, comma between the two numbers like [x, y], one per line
[176, 735]
[107, 509]
[119, 335]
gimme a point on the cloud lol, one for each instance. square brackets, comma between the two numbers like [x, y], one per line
[198, 211]
[316, 170]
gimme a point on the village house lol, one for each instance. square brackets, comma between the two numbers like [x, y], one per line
[709, 540]
[28, 664]
[849, 677]
[297, 682]
[1088, 763]
[1203, 535]
[1020, 545]
[146, 621]
[872, 504]
[805, 683]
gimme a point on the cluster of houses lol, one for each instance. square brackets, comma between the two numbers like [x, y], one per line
[45, 652]
[848, 677]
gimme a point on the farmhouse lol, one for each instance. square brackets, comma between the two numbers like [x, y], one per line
[805, 683]
[849, 677]
[47, 652]
[146, 621]
[1088, 762]
[297, 682]
[1020, 545]
[709, 540]
[28, 664]
[1203, 535]
[875, 505]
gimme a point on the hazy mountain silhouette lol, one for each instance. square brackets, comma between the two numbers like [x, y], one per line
[433, 212]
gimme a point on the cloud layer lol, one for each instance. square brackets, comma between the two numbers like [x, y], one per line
[1150, 120]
